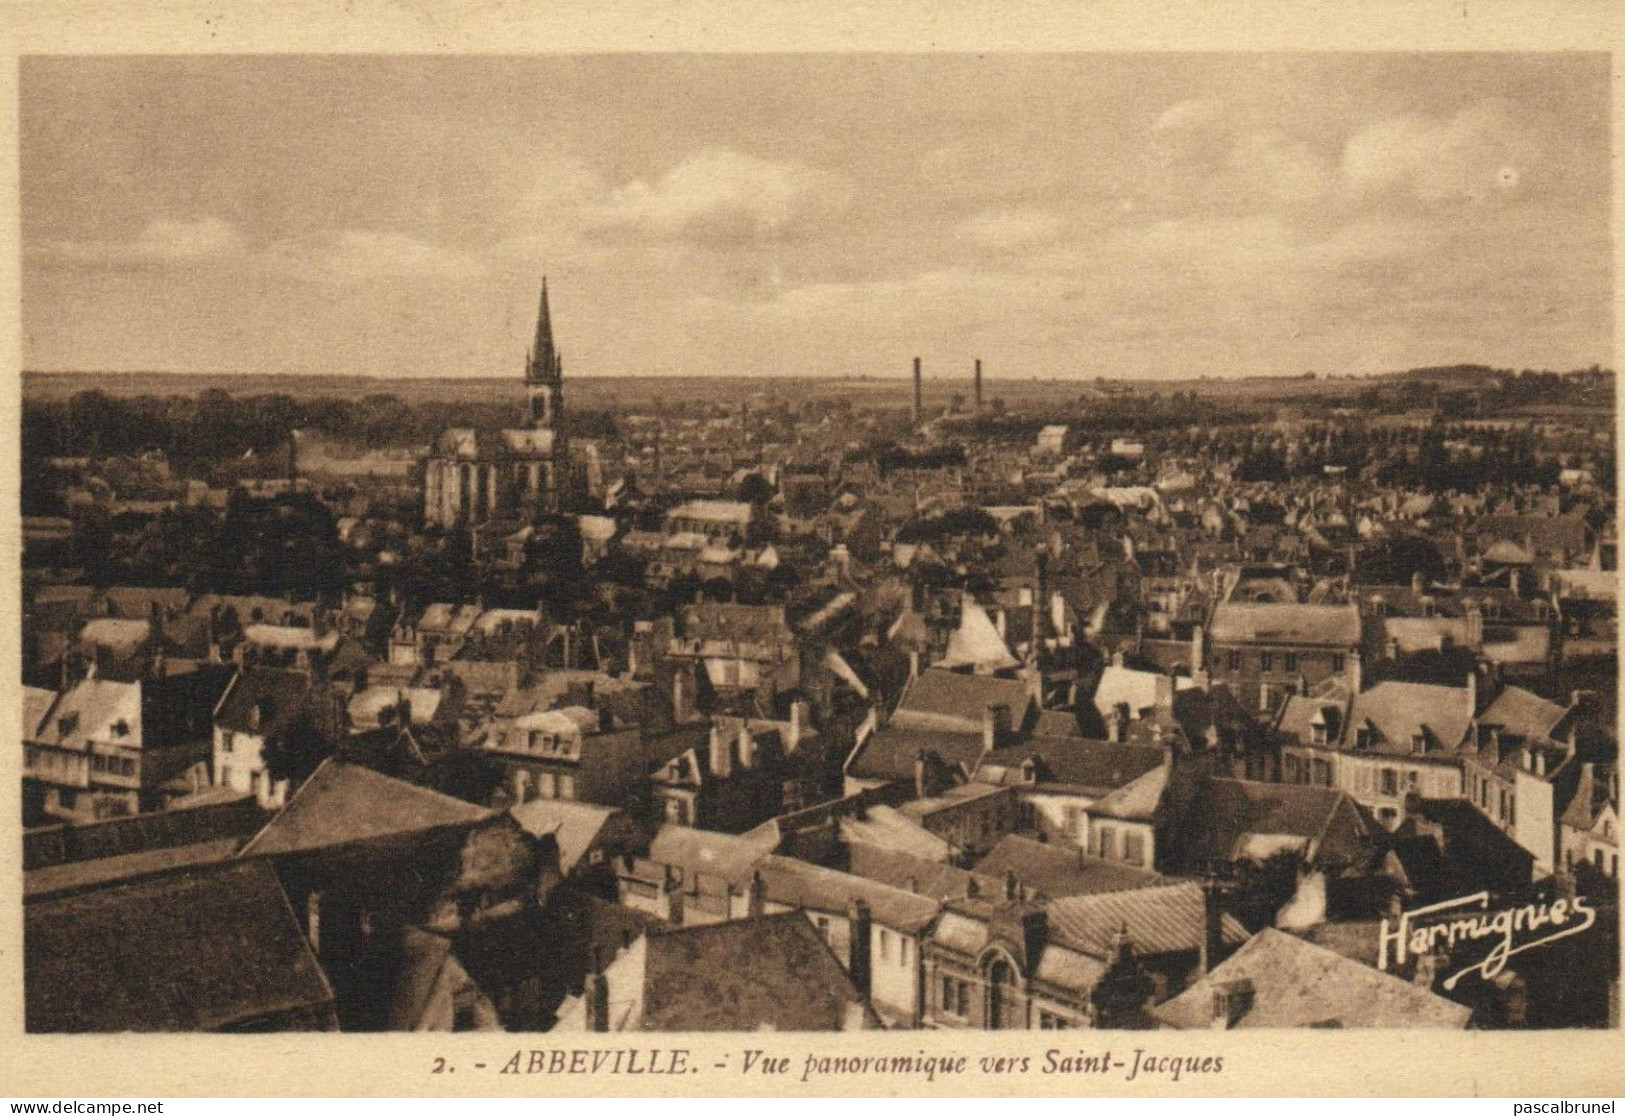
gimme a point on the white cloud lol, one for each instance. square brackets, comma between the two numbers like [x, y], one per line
[1471, 156]
[724, 196]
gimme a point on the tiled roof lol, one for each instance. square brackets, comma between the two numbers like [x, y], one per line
[343, 803]
[883, 830]
[694, 979]
[1295, 983]
[200, 950]
[1169, 919]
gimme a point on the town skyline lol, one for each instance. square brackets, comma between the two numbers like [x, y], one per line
[814, 217]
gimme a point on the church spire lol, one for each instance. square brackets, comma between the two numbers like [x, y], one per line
[543, 363]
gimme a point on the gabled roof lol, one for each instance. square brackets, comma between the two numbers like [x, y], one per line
[702, 852]
[201, 950]
[922, 876]
[1523, 713]
[945, 699]
[1322, 625]
[94, 710]
[1094, 767]
[1239, 819]
[800, 884]
[1169, 919]
[695, 979]
[1058, 870]
[890, 751]
[884, 830]
[279, 695]
[344, 803]
[574, 825]
[1400, 710]
[1297, 984]
[977, 643]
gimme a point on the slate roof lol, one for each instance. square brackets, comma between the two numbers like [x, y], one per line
[976, 642]
[1058, 870]
[202, 950]
[885, 830]
[94, 711]
[1323, 625]
[694, 980]
[1399, 710]
[1298, 984]
[700, 851]
[82, 875]
[1169, 919]
[574, 825]
[1233, 819]
[1523, 713]
[1094, 767]
[890, 751]
[919, 875]
[945, 699]
[344, 803]
[800, 884]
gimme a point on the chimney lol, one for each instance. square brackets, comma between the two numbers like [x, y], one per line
[595, 995]
[747, 747]
[756, 896]
[1165, 693]
[860, 925]
[995, 722]
[922, 777]
[1012, 886]
[721, 753]
[1213, 924]
[978, 383]
[918, 395]
[677, 697]
[1356, 673]
[1472, 693]
[798, 724]
[1540, 762]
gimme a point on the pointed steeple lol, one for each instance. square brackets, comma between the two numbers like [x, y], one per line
[543, 362]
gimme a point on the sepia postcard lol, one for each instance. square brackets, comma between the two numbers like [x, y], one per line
[689, 552]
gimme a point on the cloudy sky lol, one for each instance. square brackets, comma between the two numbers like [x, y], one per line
[1067, 216]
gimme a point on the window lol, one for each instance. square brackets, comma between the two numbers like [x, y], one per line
[1390, 781]
[1266, 662]
[1108, 843]
[885, 944]
[1134, 848]
[1234, 660]
[1338, 663]
[567, 787]
[1050, 1022]
[823, 927]
[227, 737]
[1290, 660]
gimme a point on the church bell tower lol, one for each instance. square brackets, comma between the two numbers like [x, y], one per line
[544, 376]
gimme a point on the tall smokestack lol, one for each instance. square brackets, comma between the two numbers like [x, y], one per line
[978, 383]
[919, 406]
